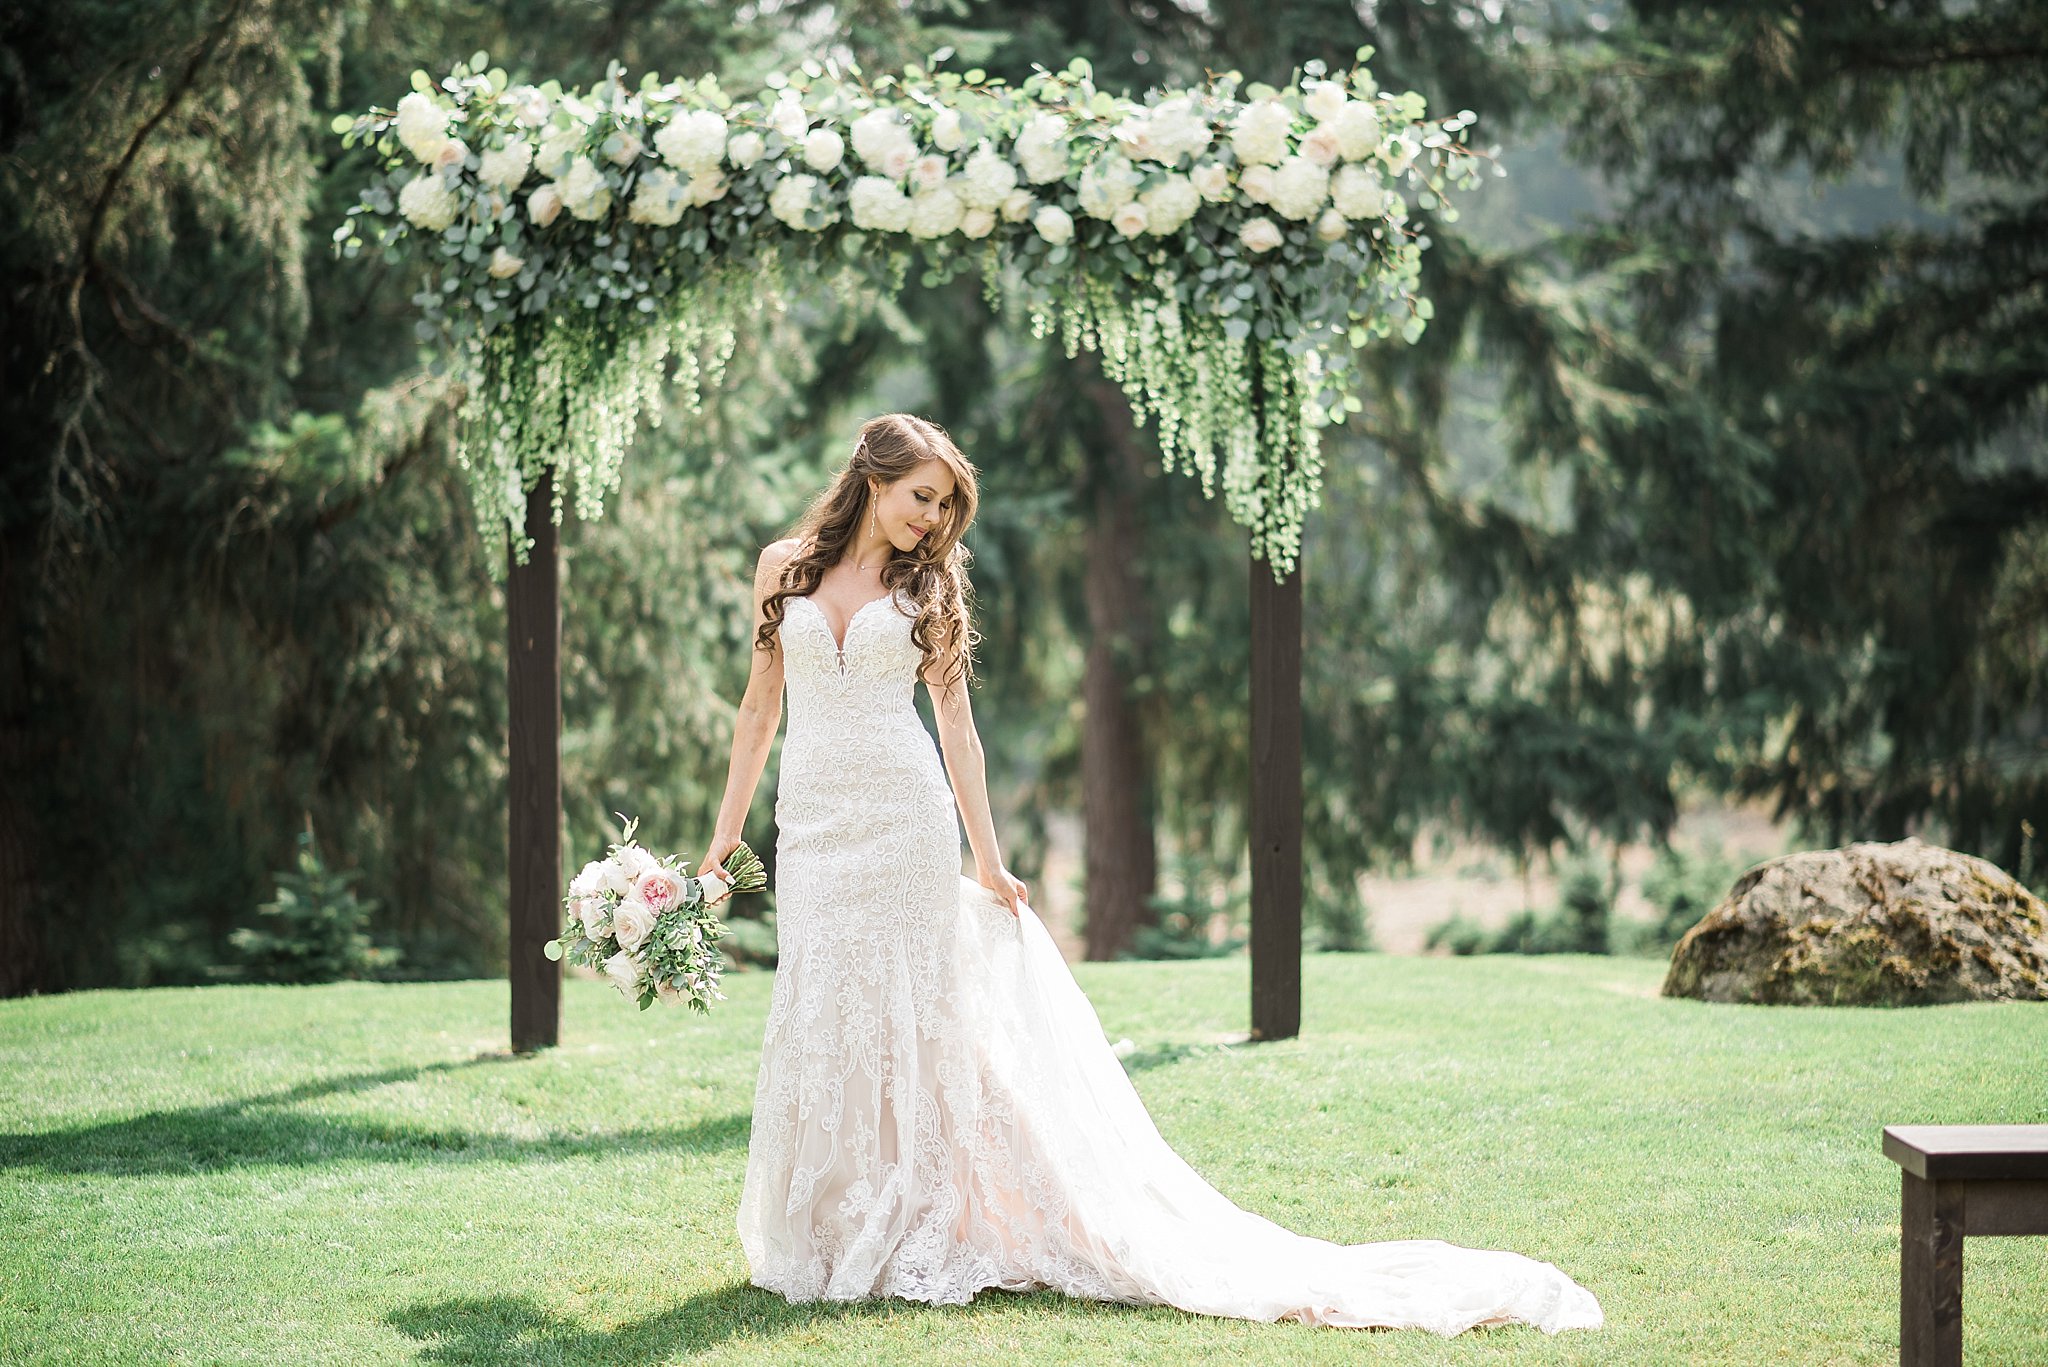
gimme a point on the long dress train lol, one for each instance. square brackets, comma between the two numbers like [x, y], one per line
[938, 1111]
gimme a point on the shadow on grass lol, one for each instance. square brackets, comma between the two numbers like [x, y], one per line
[517, 1329]
[1161, 1055]
[264, 1130]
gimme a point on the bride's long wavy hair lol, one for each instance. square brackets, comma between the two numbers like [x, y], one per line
[933, 574]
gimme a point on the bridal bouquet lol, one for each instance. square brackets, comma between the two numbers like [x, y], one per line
[648, 925]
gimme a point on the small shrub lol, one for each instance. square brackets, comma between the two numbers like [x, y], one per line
[1460, 935]
[314, 930]
[1683, 886]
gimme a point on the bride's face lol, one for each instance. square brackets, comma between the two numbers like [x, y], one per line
[916, 505]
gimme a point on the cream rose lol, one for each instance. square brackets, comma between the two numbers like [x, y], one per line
[595, 918]
[632, 922]
[745, 149]
[946, 131]
[543, 204]
[1212, 180]
[1259, 235]
[977, 223]
[1331, 226]
[823, 149]
[1054, 224]
[629, 148]
[625, 973]
[1017, 206]
[1255, 183]
[1130, 220]
[504, 265]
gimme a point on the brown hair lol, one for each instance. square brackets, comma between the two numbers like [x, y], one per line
[933, 574]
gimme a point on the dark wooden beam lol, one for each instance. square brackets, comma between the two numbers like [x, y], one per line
[1276, 802]
[533, 679]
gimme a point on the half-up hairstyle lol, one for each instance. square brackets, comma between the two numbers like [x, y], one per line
[933, 574]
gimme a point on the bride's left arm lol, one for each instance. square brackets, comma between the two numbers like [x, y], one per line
[966, 766]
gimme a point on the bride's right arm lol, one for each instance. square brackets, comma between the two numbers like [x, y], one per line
[760, 715]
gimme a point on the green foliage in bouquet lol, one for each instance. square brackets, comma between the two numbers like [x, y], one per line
[314, 929]
[647, 923]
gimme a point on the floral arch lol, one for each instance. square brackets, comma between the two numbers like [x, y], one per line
[1224, 248]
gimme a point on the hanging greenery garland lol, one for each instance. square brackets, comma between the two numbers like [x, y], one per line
[1224, 248]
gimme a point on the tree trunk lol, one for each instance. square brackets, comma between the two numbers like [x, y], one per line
[21, 956]
[1121, 861]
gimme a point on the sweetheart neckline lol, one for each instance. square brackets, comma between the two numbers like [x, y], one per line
[839, 642]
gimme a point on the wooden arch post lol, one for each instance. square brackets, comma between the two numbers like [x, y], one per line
[533, 717]
[1276, 802]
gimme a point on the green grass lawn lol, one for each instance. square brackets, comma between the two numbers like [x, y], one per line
[360, 1174]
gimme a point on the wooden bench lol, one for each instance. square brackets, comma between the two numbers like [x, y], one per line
[1957, 1180]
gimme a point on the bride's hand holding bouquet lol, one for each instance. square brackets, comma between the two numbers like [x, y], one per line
[649, 926]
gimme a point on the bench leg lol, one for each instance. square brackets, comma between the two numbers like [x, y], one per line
[1930, 1273]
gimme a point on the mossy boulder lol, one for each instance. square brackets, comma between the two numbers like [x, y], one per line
[1870, 924]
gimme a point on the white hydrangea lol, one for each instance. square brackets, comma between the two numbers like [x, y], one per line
[878, 133]
[585, 192]
[693, 142]
[530, 105]
[1357, 193]
[1358, 130]
[1108, 183]
[422, 125]
[1042, 149]
[427, 203]
[1017, 206]
[745, 149]
[977, 223]
[791, 199]
[789, 117]
[989, 179]
[877, 204]
[1299, 188]
[659, 198]
[1166, 133]
[504, 167]
[1212, 179]
[1054, 224]
[1259, 134]
[823, 149]
[1170, 204]
[946, 134]
[556, 150]
[1260, 235]
[1324, 100]
[934, 213]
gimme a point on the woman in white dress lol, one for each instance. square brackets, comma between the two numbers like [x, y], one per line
[937, 1110]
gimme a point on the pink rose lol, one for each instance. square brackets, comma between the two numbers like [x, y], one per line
[659, 889]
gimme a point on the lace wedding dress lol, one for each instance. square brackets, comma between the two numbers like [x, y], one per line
[938, 1111]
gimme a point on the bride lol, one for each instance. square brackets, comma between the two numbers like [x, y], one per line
[937, 1110]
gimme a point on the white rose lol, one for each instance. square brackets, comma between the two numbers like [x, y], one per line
[1324, 101]
[745, 149]
[877, 204]
[633, 861]
[1017, 206]
[1255, 183]
[531, 105]
[422, 125]
[1331, 226]
[693, 142]
[1323, 146]
[788, 117]
[452, 152]
[585, 193]
[1358, 130]
[1054, 224]
[504, 265]
[1212, 179]
[658, 198]
[946, 131]
[629, 147]
[1129, 219]
[897, 161]
[1042, 148]
[977, 223]
[929, 173]
[543, 204]
[586, 880]
[1176, 129]
[555, 150]
[988, 180]
[707, 186]
[1357, 193]
[1299, 188]
[934, 213]
[1259, 134]
[504, 167]
[632, 922]
[669, 993]
[427, 203]
[595, 919]
[823, 149]
[1259, 235]
[790, 200]
[625, 973]
[1169, 204]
